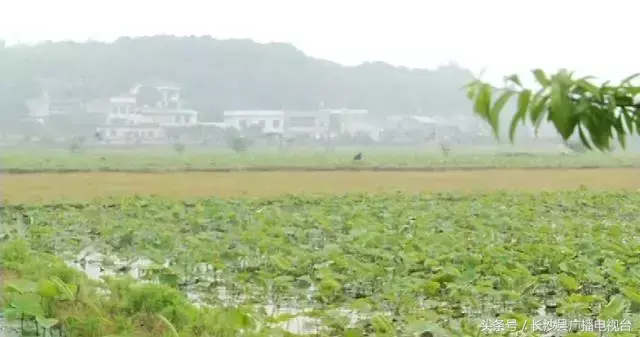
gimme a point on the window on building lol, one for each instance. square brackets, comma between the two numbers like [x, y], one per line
[187, 119]
[242, 123]
[177, 119]
[276, 123]
[113, 133]
[262, 123]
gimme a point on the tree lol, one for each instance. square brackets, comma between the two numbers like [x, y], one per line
[148, 95]
[599, 113]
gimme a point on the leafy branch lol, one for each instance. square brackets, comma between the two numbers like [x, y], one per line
[600, 113]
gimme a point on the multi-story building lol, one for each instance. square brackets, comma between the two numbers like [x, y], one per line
[130, 120]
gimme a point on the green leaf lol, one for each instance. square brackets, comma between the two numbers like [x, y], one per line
[46, 323]
[524, 98]
[513, 79]
[48, 288]
[583, 139]
[538, 106]
[631, 294]
[561, 110]
[472, 89]
[588, 87]
[169, 325]
[63, 288]
[628, 79]
[498, 105]
[353, 332]
[614, 309]
[28, 304]
[482, 105]
[382, 325]
[569, 282]
[13, 288]
[541, 77]
[622, 133]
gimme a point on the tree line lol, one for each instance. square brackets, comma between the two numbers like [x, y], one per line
[218, 75]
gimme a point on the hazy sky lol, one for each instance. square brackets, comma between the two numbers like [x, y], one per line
[503, 35]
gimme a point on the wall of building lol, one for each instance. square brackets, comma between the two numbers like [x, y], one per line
[270, 122]
[131, 134]
[307, 122]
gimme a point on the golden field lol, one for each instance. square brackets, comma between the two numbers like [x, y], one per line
[60, 187]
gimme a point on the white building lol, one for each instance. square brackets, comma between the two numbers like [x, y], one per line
[128, 122]
[318, 124]
[271, 121]
[307, 123]
[170, 118]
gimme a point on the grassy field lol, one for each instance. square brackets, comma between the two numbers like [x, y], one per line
[164, 160]
[59, 187]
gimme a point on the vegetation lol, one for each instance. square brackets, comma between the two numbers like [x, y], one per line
[179, 147]
[239, 144]
[76, 144]
[385, 265]
[162, 160]
[598, 113]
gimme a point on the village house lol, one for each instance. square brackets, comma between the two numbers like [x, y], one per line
[315, 124]
[64, 111]
[130, 120]
[312, 124]
[270, 121]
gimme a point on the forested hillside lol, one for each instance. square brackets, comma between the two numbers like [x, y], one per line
[232, 74]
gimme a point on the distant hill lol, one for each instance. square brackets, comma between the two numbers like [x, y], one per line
[218, 75]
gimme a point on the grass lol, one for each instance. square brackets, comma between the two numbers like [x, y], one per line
[154, 160]
[52, 187]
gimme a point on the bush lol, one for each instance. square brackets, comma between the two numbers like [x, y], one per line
[179, 147]
[239, 144]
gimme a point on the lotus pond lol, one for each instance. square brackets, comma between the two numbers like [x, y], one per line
[354, 265]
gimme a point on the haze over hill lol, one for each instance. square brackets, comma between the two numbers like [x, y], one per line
[218, 75]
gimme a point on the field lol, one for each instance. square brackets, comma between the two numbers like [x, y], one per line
[46, 188]
[23, 161]
[315, 244]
